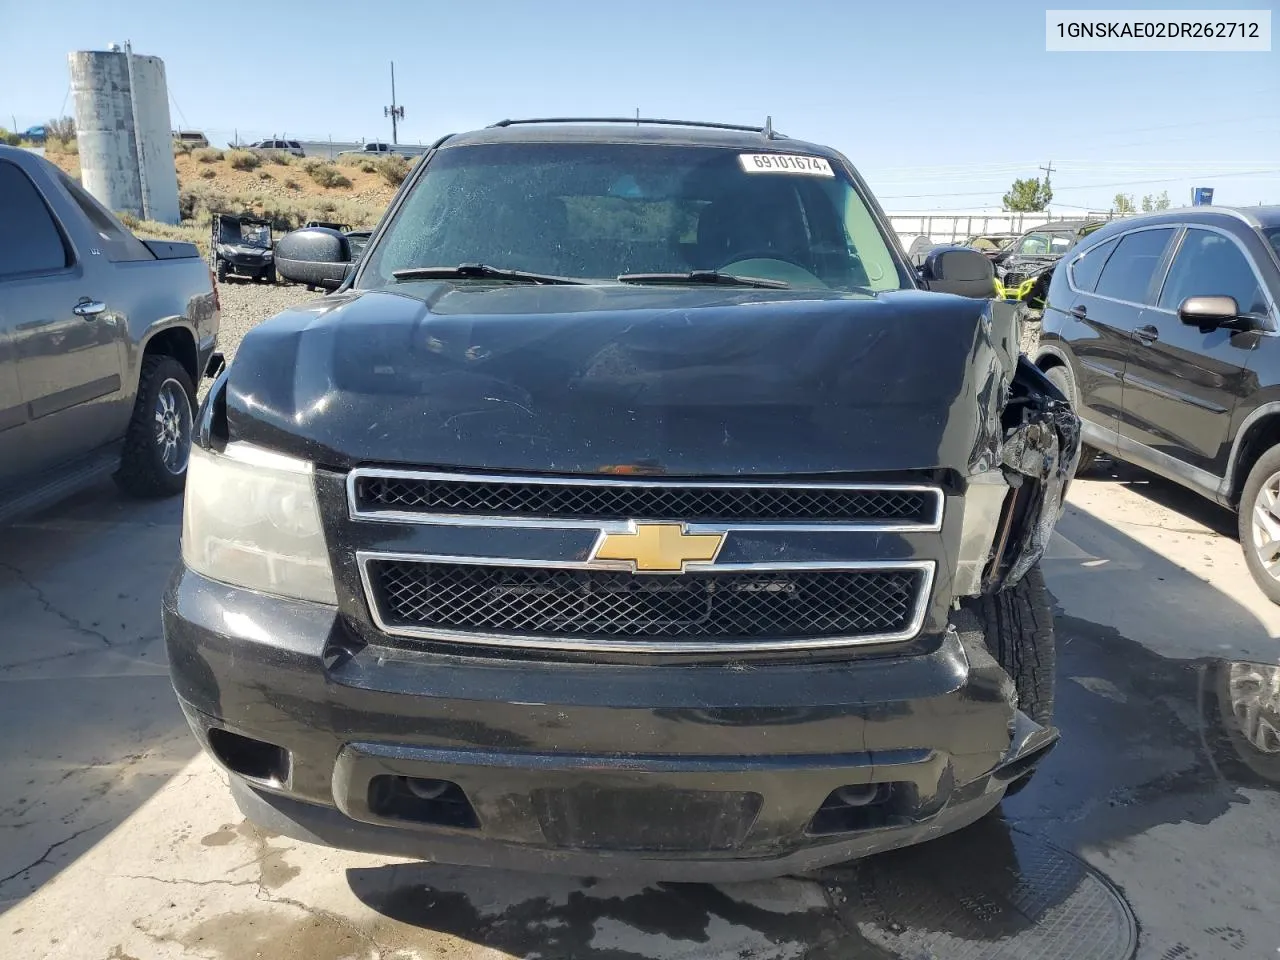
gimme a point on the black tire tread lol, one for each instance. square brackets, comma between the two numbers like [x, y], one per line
[1018, 624]
[139, 474]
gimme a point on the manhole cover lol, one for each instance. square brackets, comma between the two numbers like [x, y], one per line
[986, 893]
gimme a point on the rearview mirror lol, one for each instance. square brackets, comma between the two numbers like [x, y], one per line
[1209, 313]
[959, 270]
[316, 256]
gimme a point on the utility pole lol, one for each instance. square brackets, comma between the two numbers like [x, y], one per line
[393, 111]
[1048, 172]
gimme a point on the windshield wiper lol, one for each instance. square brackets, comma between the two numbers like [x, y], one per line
[711, 277]
[477, 271]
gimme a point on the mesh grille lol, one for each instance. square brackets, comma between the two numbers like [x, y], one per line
[643, 501]
[606, 605]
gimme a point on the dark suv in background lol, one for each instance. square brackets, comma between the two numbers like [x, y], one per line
[1162, 329]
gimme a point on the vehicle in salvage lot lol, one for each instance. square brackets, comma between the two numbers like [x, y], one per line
[1160, 331]
[608, 518]
[102, 339]
[241, 247]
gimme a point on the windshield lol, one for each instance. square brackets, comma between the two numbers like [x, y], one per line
[1273, 237]
[598, 211]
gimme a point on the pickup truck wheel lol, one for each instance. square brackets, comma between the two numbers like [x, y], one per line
[221, 271]
[1061, 378]
[271, 275]
[1260, 523]
[158, 441]
[1017, 628]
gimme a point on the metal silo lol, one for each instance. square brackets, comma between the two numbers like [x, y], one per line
[122, 113]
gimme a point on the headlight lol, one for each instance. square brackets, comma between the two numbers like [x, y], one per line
[251, 520]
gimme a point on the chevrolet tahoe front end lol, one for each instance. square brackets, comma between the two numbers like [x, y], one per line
[690, 577]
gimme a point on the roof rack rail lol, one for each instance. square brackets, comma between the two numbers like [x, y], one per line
[767, 129]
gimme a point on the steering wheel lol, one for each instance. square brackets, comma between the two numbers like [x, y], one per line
[766, 255]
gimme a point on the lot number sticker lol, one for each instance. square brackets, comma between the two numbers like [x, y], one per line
[785, 163]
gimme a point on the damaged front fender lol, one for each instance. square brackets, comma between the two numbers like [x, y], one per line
[1039, 453]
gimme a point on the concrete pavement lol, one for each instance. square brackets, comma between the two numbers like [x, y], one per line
[118, 841]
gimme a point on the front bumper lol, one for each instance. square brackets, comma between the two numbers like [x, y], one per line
[695, 771]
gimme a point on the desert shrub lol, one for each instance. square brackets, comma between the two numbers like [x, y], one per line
[243, 160]
[265, 175]
[61, 128]
[128, 219]
[53, 145]
[186, 232]
[181, 146]
[393, 169]
[208, 174]
[208, 154]
[9, 139]
[280, 158]
[327, 174]
[291, 184]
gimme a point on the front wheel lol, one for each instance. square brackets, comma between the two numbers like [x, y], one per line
[1260, 523]
[270, 275]
[158, 441]
[1016, 626]
[221, 271]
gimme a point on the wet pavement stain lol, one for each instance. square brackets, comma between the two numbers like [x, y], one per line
[273, 870]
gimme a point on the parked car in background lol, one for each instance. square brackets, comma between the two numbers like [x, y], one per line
[1039, 247]
[190, 138]
[610, 518]
[242, 247]
[35, 135]
[103, 338]
[1163, 331]
[375, 148]
[291, 147]
[990, 244]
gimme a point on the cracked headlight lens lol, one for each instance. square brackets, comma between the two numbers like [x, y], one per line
[251, 520]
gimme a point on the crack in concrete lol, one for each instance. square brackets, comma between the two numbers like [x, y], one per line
[49, 606]
[184, 881]
[44, 857]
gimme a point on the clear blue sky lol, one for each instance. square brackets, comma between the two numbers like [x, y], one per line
[940, 104]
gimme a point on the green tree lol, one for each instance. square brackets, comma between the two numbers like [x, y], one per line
[1152, 202]
[1123, 203]
[1028, 195]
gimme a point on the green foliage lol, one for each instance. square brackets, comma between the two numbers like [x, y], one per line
[180, 147]
[1028, 195]
[52, 145]
[280, 158]
[1123, 204]
[1153, 202]
[393, 169]
[208, 155]
[326, 174]
[9, 139]
[243, 160]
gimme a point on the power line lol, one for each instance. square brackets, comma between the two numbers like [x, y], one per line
[1091, 186]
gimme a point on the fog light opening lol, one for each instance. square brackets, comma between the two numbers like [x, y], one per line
[440, 803]
[250, 758]
[856, 806]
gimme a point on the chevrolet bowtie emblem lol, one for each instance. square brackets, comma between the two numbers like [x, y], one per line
[659, 547]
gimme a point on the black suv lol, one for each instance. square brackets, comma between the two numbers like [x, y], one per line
[610, 517]
[1160, 329]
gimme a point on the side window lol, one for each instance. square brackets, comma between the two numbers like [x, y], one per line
[117, 244]
[30, 241]
[1087, 268]
[1060, 243]
[1034, 244]
[1211, 265]
[1127, 275]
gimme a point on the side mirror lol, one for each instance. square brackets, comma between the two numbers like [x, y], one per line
[959, 270]
[1210, 313]
[316, 256]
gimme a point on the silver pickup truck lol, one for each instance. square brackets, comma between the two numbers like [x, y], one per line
[103, 338]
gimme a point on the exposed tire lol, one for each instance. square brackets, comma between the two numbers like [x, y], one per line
[1017, 623]
[1017, 626]
[221, 271]
[158, 440]
[1060, 377]
[1259, 521]
[271, 275]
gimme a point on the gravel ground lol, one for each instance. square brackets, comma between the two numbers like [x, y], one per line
[245, 305]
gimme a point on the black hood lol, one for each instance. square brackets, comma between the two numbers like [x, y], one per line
[581, 379]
